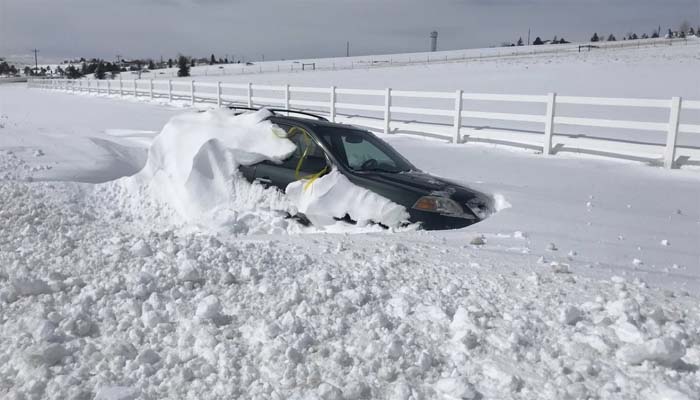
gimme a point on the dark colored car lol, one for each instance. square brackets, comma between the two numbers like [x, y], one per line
[371, 163]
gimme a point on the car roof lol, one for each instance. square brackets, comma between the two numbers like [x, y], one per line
[313, 123]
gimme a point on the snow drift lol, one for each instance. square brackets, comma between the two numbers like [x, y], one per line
[334, 196]
[192, 162]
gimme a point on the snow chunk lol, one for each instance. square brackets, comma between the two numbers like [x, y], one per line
[478, 241]
[141, 249]
[333, 195]
[48, 355]
[208, 309]
[188, 272]
[31, 287]
[570, 315]
[116, 393]
[665, 351]
[148, 356]
[456, 388]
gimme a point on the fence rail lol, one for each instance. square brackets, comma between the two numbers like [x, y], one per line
[325, 99]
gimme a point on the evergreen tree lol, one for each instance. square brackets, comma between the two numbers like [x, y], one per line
[537, 41]
[520, 41]
[595, 37]
[212, 60]
[151, 64]
[645, 36]
[611, 38]
[226, 60]
[192, 62]
[691, 32]
[655, 35]
[28, 71]
[170, 62]
[183, 66]
[634, 36]
[72, 72]
[99, 71]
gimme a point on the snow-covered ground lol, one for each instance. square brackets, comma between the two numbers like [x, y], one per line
[585, 287]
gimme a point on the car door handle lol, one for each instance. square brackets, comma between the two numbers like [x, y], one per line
[264, 180]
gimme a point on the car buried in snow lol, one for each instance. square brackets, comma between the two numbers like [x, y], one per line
[371, 163]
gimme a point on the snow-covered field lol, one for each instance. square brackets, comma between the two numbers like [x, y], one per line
[585, 287]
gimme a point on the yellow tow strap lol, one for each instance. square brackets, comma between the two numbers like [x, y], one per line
[307, 139]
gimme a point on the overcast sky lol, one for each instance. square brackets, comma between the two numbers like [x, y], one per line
[312, 28]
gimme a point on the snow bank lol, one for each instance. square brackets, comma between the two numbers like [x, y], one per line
[192, 164]
[333, 195]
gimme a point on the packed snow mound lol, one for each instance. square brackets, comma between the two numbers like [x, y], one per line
[334, 196]
[192, 163]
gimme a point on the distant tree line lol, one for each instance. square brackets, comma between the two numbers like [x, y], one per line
[683, 31]
[101, 69]
[7, 69]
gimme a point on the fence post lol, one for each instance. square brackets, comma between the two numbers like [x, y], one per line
[121, 87]
[673, 123]
[192, 92]
[170, 90]
[136, 92]
[109, 88]
[150, 87]
[549, 124]
[80, 85]
[457, 117]
[97, 83]
[250, 95]
[332, 106]
[387, 110]
[286, 96]
[218, 94]
[88, 86]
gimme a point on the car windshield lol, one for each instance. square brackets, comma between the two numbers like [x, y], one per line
[362, 151]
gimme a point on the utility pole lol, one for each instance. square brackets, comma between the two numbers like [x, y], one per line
[263, 57]
[36, 61]
[528, 36]
[347, 49]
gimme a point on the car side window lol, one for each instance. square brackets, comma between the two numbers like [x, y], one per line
[306, 147]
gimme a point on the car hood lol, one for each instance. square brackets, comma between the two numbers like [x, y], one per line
[424, 183]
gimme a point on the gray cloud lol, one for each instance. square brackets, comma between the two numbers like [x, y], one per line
[308, 28]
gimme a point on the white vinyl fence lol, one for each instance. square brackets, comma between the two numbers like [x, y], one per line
[379, 107]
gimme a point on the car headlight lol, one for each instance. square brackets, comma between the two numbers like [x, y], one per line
[479, 207]
[441, 205]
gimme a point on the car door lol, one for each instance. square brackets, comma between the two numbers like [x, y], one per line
[309, 158]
